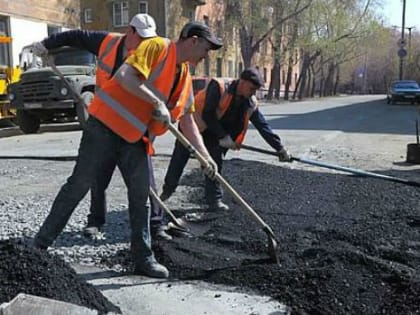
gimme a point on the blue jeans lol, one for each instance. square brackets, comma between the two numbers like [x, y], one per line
[98, 206]
[98, 146]
[179, 159]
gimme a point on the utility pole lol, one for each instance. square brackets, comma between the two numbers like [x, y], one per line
[402, 40]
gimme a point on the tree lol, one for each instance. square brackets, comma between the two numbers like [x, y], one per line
[251, 18]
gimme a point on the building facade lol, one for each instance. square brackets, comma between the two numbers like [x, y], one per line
[28, 21]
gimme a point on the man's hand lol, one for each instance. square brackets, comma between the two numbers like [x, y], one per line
[228, 143]
[39, 49]
[211, 168]
[284, 155]
[161, 113]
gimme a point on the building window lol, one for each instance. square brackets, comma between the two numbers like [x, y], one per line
[120, 13]
[230, 69]
[207, 66]
[88, 15]
[143, 7]
[219, 64]
[52, 29]
[4, 49]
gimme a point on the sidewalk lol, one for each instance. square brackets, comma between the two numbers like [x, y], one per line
[137, 295]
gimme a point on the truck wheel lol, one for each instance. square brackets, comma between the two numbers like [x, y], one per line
[81, 111]
[27, 123]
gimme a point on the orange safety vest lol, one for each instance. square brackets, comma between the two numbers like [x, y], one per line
[130, 116]
[224, 103]
[106, 57]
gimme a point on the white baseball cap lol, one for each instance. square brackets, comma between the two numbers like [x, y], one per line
[144, 24]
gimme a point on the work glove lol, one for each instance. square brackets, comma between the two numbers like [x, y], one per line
[39, 49]
[211, 168]
[228, 143]
[284, 155]
[161, 114]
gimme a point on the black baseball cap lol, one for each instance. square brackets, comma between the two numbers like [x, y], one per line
[201, 30]
[253, 75]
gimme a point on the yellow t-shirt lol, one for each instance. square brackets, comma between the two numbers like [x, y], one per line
[147, 54]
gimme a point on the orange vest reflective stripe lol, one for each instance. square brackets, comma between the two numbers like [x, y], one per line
[222, 107]
[106, 57]
[128, 115]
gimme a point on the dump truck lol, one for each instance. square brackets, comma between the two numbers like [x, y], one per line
[41, 97]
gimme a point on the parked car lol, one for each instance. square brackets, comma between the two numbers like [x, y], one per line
[404, 91]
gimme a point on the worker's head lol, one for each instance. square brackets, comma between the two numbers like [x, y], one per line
[141, 26]
[249, 82]
[195, 41]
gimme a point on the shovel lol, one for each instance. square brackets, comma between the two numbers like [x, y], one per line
[178, 225]
[338, 167]
[272, 243]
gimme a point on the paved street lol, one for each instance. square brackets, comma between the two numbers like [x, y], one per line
[358, 131]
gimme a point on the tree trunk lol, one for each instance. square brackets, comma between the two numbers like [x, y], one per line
[337, 79]
[275, 81]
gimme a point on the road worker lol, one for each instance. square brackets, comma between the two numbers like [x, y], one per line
[222, 113]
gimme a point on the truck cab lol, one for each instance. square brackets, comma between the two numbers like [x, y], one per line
[42, 97]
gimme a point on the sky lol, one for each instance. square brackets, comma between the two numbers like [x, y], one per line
[392, 12]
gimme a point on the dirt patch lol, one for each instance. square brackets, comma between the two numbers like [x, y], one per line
[30, 271]
[348, 245]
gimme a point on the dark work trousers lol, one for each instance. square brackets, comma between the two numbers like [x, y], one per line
[212, 187]
[99, 145]
[98, 206]
[179, 159]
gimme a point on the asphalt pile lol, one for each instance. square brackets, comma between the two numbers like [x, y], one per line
[27, 270]
[347, 245]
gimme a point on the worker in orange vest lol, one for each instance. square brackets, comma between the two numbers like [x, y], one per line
[151, 88]
[223, 111]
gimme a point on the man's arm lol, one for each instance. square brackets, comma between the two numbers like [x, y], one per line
[129, 79]
[258, 120]
[88, 40]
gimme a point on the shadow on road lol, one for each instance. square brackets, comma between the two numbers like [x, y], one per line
[367, 117]
[10, 130]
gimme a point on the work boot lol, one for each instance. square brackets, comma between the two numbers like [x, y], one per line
[218, 205]
[151, 268]
[93, 232]
[160, 233]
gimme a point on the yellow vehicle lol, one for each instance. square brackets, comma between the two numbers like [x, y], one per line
[8, 75]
